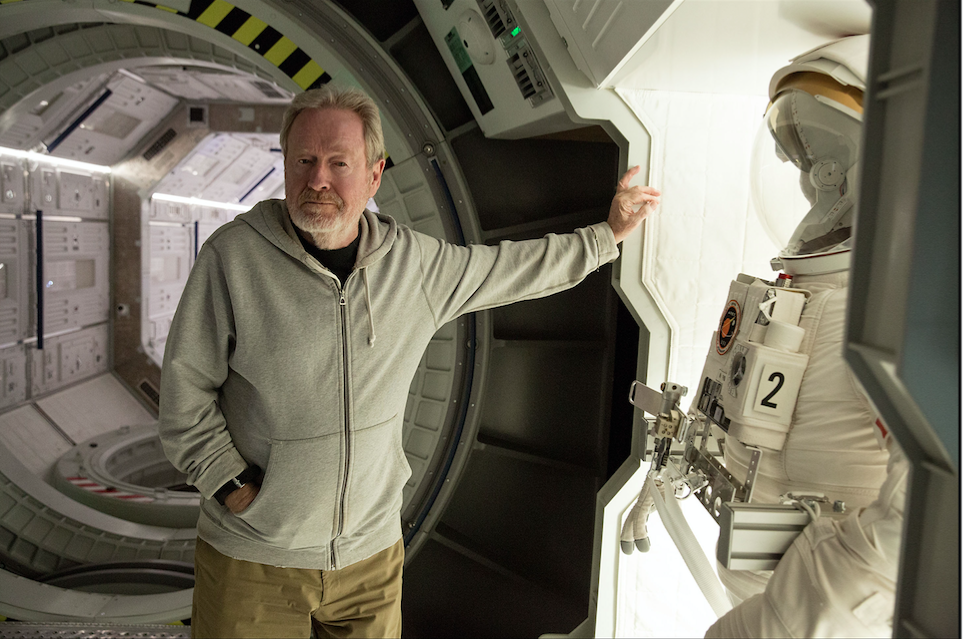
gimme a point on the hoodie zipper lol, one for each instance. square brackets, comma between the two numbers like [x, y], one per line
[342, 303]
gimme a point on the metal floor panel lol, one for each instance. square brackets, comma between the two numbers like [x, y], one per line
[32, 440]
[18, 630]
[96, 406]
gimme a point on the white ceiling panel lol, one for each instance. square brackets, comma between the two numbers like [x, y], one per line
[116, 120]
[226, 167]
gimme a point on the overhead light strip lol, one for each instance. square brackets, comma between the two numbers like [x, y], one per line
[177, 199]
[40, 157]
[174, 224]
[55, 218]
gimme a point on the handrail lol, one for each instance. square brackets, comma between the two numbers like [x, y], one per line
[40, 284]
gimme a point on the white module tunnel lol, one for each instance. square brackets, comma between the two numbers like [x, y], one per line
[131, 130]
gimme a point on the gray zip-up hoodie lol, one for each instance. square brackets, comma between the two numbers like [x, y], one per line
[269, 361]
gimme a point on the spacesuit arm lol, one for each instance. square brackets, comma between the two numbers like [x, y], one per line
[192, 428]
[838, 579]
[458, 279]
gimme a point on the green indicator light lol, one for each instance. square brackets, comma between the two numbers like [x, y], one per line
[516, 31]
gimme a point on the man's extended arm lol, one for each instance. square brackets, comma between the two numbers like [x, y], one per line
[460, 279]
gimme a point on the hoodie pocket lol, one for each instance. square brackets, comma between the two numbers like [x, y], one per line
[378, 473]
[297, 501]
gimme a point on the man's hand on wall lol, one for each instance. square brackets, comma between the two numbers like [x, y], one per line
[631, 205]
[241, 498]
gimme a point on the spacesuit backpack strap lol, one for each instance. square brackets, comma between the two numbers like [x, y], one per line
[754, 368]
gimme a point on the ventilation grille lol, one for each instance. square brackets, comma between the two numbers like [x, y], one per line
[150, 392]
[522, 78]
[493, 17]
[527, 73]
[267, 89]
[160, 144]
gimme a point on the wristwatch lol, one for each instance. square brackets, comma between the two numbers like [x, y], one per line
[246, 476]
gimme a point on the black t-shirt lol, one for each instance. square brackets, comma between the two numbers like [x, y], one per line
[338, 261]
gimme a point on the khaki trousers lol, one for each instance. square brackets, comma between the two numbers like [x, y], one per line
[235, 598]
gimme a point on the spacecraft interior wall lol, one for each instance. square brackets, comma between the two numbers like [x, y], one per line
[54, 285]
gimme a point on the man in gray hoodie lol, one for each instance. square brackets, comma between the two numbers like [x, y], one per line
[294, 343]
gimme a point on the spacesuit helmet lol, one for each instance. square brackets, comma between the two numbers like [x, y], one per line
[806, 156]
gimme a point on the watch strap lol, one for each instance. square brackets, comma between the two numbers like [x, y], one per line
[246, 476]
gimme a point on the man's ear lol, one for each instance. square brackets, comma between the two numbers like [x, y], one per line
[376, 172]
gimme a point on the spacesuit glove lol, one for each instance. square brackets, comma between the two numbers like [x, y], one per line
[635, 534]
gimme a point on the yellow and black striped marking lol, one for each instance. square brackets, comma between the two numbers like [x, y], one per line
[257, 36]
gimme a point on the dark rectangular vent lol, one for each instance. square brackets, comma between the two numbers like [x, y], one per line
[150, 392]
[160, 144]
[527, 73]
[267, 89]
[493, 17]
[522, 78]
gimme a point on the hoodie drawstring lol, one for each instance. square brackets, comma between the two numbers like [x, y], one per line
[367, 299]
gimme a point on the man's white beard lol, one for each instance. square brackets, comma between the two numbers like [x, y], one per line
[322, 228]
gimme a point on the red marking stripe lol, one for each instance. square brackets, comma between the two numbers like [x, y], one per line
[882, 428]
[107, 491]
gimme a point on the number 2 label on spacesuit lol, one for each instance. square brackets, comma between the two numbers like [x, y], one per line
[777, 391]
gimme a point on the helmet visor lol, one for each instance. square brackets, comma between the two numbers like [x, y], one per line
[780, 193]
[782, 119]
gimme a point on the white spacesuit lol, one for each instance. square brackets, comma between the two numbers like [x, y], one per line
[775, 379]
[839, 576]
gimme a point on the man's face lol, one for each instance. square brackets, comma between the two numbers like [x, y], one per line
[327, 182]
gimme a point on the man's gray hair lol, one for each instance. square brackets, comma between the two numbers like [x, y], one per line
[340, 97]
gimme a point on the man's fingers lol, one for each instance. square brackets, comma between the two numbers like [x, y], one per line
[624, 182]
[240, 499]
[642, 193]
[639, 196]
[631, 205]
[651, 190]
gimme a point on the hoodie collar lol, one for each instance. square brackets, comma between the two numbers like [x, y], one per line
[378, 232]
